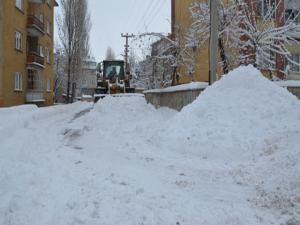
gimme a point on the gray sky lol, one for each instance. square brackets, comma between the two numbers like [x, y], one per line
[110, 18]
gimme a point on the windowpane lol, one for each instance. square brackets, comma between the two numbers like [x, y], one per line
[41, 51]
[19, 4]
[18, 81]
[48, 85]
[18, 40]
[296, 59]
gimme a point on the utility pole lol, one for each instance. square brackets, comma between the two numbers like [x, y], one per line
[127, 36]
[213, 42]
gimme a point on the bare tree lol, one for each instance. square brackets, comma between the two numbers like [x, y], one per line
[110, 54]
[175, 53]
[228, 30]
[59, 66]
[74, 26]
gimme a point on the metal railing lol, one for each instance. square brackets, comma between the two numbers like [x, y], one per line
[33, 21]
[35, 58]
[35, 96]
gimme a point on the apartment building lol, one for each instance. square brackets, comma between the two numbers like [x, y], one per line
[26, 52]
[292, 9]
[181, 21]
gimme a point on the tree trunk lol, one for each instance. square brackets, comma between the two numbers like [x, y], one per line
[69, 80]
[174, 77]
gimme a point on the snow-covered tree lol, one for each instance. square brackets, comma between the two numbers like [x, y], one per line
[74, 26]
[245, 35]
[199, 32]
[59, 68]
[173, 53]
[268, 36]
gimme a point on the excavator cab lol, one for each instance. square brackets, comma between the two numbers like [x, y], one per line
[113, 70]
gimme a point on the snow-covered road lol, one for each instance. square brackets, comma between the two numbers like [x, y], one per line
[232, 157]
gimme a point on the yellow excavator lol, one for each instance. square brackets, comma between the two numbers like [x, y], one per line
[112, 80]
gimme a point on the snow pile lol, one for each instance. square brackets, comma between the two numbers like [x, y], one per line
[238, 114]
[126, 119]
[249, 127]
[14, 118]
[229, 158]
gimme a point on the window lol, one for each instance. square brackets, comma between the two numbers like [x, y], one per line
[48, 85]
[18, 40]
[18, 81]
[292, 15]
[19, 4]
[296, 59]
[48, 27]
[41, 51]
[41, 18]
[47, 51]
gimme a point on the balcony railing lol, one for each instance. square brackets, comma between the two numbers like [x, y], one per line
[35, 59]
[34, 96]
[35, 26]
[37, 1]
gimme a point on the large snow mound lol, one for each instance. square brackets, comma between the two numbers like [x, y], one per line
[238, 114]
[247, 127]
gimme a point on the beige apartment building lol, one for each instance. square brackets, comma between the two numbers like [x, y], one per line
[181, 19]
[26, 52]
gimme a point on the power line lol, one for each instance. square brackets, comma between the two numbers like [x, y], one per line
[134, 6]
[156, 13]
[148, 12]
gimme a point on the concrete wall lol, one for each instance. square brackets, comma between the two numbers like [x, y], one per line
[295, 91]
[178, 99]
[174, 100]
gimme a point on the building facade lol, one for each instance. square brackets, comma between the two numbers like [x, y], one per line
[181, 22]
[26, 53]
[292, 9]
[1, 55]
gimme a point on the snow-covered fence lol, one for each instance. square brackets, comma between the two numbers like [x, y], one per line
[175, 97]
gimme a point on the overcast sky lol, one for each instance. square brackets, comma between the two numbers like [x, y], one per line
[110, 18]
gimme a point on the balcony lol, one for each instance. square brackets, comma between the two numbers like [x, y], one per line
[35, 27]
[33, 96]
[37, 1]
[35, 61]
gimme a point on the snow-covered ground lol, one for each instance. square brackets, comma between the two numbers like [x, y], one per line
[231, 157]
